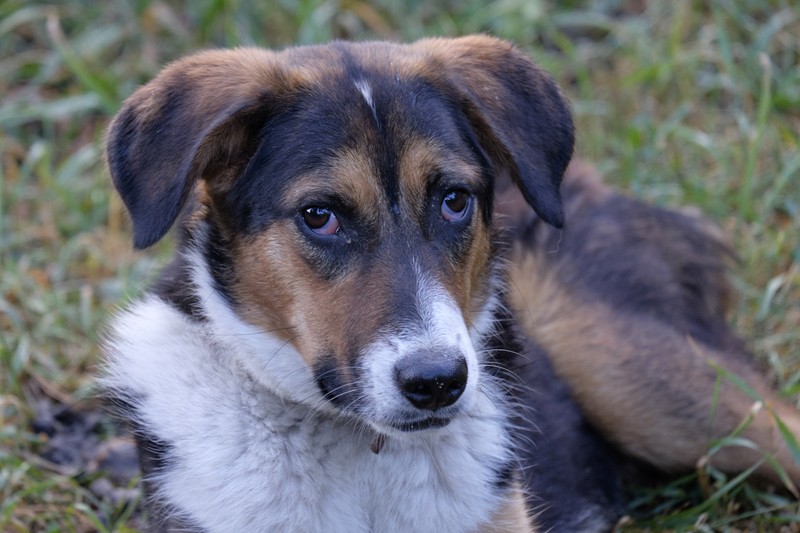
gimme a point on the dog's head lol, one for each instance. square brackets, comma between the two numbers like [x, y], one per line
[344, 196]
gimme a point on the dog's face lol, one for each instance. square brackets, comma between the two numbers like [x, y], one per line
[344, 196]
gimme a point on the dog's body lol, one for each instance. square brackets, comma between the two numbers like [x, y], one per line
[336, 347]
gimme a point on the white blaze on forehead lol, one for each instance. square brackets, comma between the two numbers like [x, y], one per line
[366, 91]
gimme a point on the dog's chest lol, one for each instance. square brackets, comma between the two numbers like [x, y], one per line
[321, 475]
[240, 459]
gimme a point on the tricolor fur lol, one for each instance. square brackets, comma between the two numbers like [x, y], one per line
[335, 346]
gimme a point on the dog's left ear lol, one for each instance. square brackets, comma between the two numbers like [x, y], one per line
[517, 111]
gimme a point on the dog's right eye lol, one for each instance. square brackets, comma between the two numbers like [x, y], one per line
[455, 205]
[320, 220]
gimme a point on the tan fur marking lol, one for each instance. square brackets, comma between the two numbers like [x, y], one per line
[354, 175]
[468, 284]
[244, 73]
[266, 266]
[464, 281]
[280, 292]
[319, 314]
[419, 160]
[512, 517]
[647, 387]
[351, 176]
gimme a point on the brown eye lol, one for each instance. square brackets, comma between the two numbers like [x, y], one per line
[321, 220]
[454, 205]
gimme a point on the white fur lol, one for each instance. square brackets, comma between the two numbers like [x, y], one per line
[270, 360]
[252, 449]
[441, 328]
[366, 91]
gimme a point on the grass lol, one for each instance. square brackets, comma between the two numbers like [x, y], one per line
[678, 102]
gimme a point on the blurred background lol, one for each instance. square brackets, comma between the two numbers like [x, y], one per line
[680, 103]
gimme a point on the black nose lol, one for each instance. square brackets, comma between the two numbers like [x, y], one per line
[431, 380]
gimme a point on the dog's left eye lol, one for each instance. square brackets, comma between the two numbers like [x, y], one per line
[455, 205]
[320, 220]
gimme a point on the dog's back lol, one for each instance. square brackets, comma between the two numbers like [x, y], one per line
[630, 303]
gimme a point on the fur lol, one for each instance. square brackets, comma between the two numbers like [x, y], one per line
[375, 321]
[279, 464]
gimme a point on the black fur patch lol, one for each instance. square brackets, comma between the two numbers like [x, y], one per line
[155, 457]
[330, 381]
[174, 286]
[570, 473]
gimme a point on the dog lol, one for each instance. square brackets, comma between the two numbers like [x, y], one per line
[377, 319]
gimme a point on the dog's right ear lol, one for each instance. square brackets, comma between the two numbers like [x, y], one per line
[199, 118]
[521, 118]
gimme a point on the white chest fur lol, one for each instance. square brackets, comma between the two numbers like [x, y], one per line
[243, 458]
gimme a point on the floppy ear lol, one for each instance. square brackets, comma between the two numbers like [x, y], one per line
[199, 118]
[517, 111]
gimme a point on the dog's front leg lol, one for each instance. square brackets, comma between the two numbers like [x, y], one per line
[512, 516]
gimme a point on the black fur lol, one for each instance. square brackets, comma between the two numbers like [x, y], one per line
[648, 262]
[569, 472]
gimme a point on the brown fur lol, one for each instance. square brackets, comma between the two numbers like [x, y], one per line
[646, 383]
